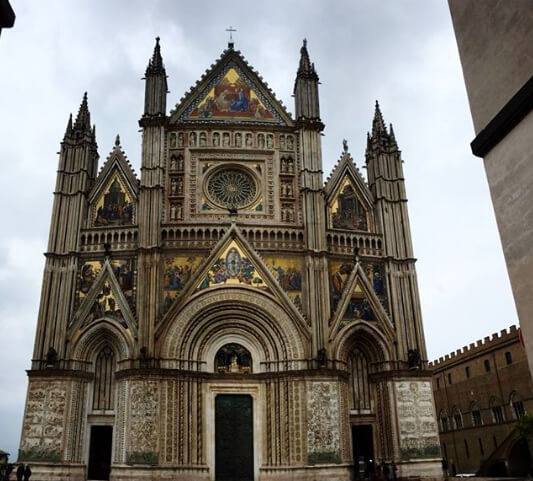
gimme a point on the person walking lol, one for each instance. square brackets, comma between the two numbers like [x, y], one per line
[20, 472]
[27, 472]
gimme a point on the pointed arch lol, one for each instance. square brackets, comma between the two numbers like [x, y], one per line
[88, 342]
[243, 315]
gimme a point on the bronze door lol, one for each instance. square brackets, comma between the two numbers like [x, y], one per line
[234, 452]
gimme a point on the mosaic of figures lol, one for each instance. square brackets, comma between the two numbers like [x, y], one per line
[339, 272]
[261, 140]
[115, 205]
[288, 273]
[346, 210]
[231, 97]
[233, 267]
[358, 308]
[177, 271]
[124, 272]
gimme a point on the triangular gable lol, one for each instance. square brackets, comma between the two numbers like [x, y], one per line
[231, 91]
[359, 303]
[105, 299]
[118, 179]
[346, 168]
[233, 262]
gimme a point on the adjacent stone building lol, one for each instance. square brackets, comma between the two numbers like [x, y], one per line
[228, 314]
[495, 40]
[480, 391]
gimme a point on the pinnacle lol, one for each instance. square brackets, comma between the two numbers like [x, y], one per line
[305, 66]
[83, 119]
[68, 131]
[378, 126]
[155, 64]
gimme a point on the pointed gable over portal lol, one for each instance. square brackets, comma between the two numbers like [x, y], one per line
[231, 91]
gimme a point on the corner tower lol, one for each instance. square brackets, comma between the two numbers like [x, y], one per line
[387, 184]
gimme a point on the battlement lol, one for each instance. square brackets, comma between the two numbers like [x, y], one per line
[476, 348]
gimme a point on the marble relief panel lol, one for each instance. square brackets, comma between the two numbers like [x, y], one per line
[323, 429]
[419, 436]
[44, 421]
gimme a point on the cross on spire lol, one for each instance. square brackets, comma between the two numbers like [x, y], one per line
[230, 30]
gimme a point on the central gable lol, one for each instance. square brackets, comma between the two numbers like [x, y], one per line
[231, 92]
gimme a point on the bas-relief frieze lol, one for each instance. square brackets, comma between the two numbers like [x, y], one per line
[44, 420]
[416, 419]
[143, 420]
[323, 429]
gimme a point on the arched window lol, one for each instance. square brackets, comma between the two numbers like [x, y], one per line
[444, 421]
[457, 418]
[359, 385]
[517, 405]
[497, 410]
[233, 358]
[104, 380]
[476, 415]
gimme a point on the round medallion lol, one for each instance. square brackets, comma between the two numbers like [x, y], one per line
[231, 188]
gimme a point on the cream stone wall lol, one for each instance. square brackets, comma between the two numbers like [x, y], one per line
[495, 39]
[509, 167]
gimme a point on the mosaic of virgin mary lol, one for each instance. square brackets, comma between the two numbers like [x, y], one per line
[232, 97]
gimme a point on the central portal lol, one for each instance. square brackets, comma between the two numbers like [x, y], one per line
[234, 451]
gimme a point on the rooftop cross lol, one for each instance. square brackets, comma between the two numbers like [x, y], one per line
[230, 30]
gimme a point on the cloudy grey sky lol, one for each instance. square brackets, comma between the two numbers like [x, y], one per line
[401, 52]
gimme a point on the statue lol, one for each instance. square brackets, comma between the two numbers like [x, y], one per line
[322, 357]
[51, 357]
[413, 359]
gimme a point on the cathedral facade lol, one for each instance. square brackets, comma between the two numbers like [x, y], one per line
[228, 314]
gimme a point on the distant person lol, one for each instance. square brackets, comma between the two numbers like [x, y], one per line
[386, 472]
[445, 467]
[27, 473]
[20, 472]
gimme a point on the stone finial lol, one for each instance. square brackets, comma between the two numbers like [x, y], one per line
[117, 141]
[345, 145]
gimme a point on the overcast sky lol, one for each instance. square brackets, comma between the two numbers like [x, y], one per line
[402, 52]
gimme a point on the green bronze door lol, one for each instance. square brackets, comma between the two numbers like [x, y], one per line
[234, 451]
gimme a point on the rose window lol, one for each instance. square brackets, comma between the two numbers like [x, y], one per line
[231, 188]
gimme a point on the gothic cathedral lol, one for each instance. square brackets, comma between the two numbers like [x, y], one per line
[228, 314]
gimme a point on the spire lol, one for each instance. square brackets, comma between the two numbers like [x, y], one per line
[378, 126]
[155, 64]
[306, 68]
[83, 119]
[156, 88]
[306, 90]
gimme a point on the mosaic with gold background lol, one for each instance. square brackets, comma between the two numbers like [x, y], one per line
[346, 210]
[230, 96]
[288, 273]
[124, 272]
[115, 205]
